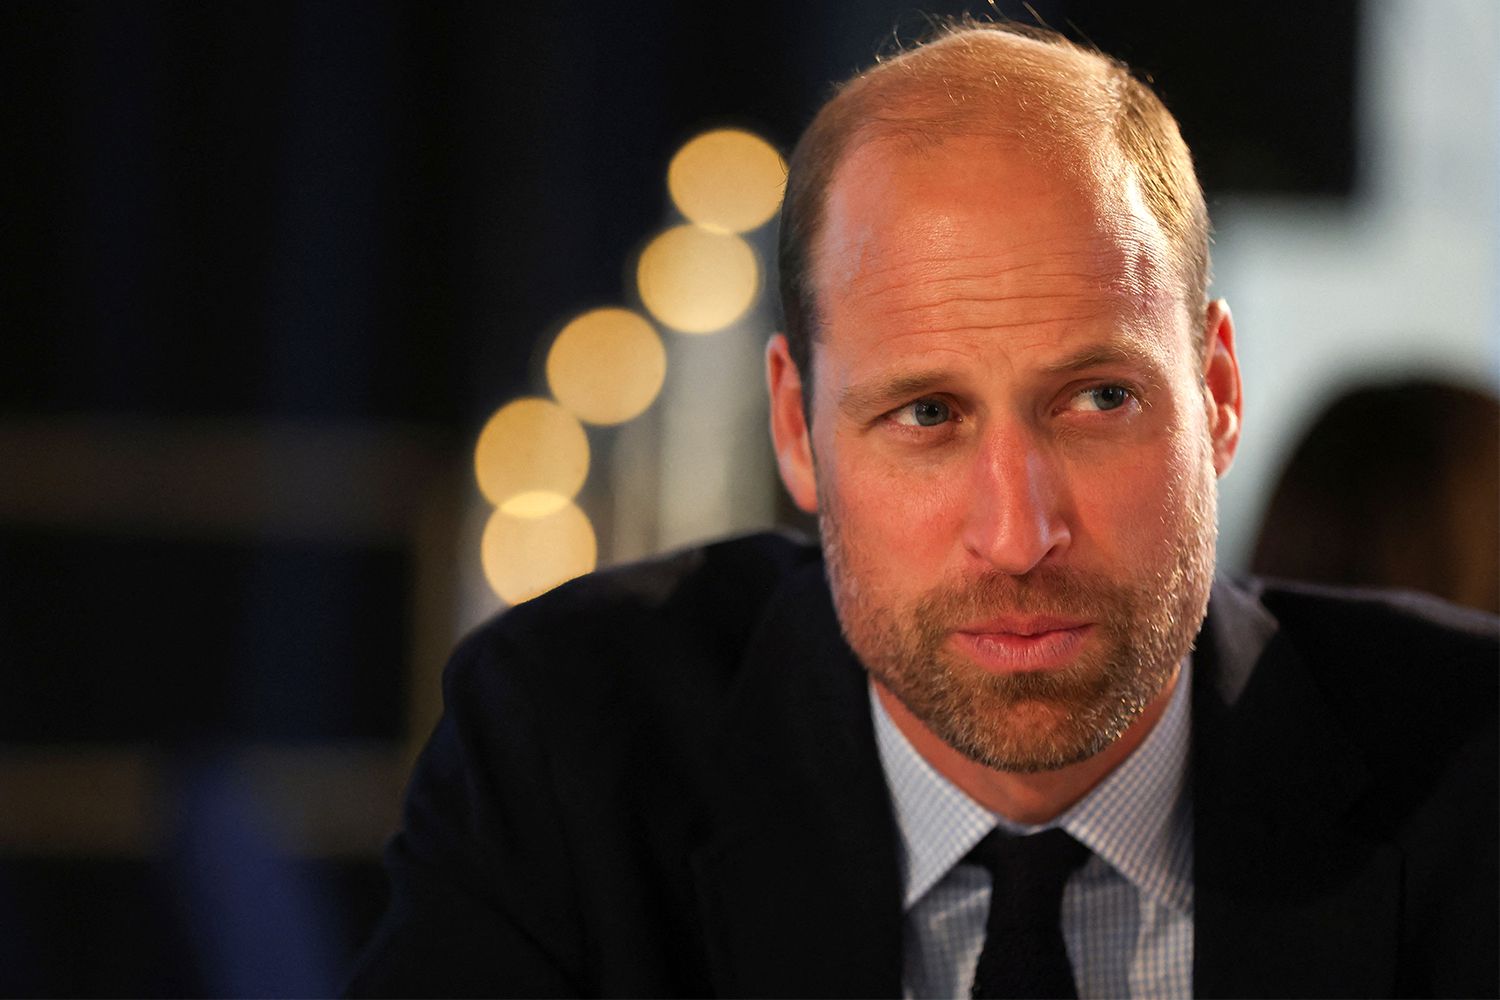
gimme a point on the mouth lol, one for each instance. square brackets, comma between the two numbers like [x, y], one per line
[1023, 644]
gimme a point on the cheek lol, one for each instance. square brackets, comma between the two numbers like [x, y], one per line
[1190, 460]
[1185, 493]
[1131, 511]
[896, 512]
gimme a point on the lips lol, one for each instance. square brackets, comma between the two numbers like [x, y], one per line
[1024, 625]
[1024, 643]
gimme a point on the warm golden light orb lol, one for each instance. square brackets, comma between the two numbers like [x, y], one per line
[697, 281]
[607, 365]
[527, 556]
[727, 180]
[532, 456]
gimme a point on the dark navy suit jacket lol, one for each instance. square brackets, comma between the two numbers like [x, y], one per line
[662, 780]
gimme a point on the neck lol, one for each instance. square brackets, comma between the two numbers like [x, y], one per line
[1025, 798]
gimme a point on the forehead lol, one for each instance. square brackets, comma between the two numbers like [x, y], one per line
[976, 234]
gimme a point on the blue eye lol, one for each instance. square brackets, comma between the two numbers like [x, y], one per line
[1101, 398]
[924, 413]
[1108, 397]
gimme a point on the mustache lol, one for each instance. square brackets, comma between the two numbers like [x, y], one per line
[1049, 591]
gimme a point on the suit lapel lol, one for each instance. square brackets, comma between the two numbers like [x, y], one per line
[1290, 899]
[799, 888]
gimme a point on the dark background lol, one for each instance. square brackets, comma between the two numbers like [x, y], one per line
[266, 270]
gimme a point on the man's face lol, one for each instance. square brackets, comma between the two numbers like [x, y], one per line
[1013, 448]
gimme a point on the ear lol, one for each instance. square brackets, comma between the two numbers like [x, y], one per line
[1221, 384]
[789, 431]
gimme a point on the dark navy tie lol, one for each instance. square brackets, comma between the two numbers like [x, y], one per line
[1024, 954]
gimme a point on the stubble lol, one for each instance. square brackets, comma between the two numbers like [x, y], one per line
[1144, 624]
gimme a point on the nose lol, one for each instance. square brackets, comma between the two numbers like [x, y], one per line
[1015, 519]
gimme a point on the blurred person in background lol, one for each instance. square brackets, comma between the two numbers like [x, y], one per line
[1393, 485]
[1001, 734]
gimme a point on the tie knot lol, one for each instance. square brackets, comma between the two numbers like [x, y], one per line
[1029, 872]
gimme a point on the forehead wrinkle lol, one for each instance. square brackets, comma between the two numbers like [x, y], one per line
[1016, 325]
[1121, 262]
[899, 271]
[933, 293]
[979, 298]
[945, 264]
[948, 298]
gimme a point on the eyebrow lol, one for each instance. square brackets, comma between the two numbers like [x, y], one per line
[1130, 354]
[879, 393]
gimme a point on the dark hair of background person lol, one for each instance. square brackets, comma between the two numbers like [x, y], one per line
[1394, 485]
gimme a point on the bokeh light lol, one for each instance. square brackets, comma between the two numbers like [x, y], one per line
[531, 458]
[697, 281]
[527, 556]
[727, 180]
[607, 365]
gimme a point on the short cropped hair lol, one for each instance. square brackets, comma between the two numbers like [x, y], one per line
[1006, 80]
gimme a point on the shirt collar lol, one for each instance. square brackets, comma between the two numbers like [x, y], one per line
[1138, 819]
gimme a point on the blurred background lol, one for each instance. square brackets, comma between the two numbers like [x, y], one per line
[328, 329]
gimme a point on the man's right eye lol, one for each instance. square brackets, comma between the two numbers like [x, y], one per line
[923, 413]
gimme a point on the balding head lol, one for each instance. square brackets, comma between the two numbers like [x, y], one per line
[1030, 90]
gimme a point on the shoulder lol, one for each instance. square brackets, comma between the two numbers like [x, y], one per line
[707, 594]
[725, 580]
[574, 706]
[1411, 680]
[1391, 654]
[1408, 683]
[1346, 760]
[568, 779]
[1381, 623]
[677, 622]
[1354, 642]
[1402, 647]
[1413, 684]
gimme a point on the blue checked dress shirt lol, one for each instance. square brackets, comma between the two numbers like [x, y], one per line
[1127, 914]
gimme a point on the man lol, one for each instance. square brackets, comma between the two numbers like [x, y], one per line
[745, 770]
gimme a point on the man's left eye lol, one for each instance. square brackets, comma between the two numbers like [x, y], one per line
[923, 413]
[1102, 398]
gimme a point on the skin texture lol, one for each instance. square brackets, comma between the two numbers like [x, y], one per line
[1013, 455]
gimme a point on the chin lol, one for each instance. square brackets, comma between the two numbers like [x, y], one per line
[1033, 738]
[1025, 733]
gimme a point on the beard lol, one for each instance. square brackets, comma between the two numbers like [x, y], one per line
[1033, 721]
